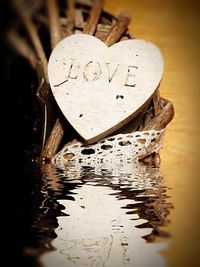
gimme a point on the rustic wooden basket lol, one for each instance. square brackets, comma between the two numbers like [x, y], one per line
[46, 24]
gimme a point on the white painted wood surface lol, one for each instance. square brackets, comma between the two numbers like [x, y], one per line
[99, 89]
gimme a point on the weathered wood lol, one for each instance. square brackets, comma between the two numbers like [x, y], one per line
[93, 18]
[53, 141]
[54, 22]
[79, 21]
[101, 35]
[70, 16]
[26, 19]
[57, 133]
[108, 20]
[103, 28]
[156, 102]
[73, 90]
[100, 28]
[118, 29]
[153, 109]
[148, 116]
[21, 46]
[162, 119]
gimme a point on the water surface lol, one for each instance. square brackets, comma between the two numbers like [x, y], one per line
[100, 217]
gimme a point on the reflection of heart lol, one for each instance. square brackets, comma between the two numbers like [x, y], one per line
[98, 88]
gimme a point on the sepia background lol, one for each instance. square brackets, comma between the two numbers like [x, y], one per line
[174, 26]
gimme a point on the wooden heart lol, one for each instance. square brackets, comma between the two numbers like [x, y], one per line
[99, 89]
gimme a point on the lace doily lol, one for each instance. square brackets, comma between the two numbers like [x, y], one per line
[113, 151]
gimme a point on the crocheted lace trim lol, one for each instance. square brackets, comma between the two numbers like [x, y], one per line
[112, 151]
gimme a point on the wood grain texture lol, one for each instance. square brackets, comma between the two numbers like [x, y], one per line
[70, 14]
[93, 18]
[54, 22]
[118, 29]
[53, 141]
[56, 135]
[162, 118]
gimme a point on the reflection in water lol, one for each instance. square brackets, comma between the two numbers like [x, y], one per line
[108, 218]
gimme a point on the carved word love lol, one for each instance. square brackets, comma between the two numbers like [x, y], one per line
[93, 70]
[99, 89]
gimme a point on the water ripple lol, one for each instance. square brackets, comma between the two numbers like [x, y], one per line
[106, 219]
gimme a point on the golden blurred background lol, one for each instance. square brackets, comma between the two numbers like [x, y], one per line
[174, 26]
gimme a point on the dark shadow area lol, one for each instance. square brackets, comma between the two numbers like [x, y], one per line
[18, 139]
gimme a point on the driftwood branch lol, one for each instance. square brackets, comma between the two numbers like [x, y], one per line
[93, 18]
[53, 142]
[54, 22]
[57, 132]
[70, 16]
[158, 122]
[156, 102]
[161, 120]
[153, 110]
[118, 29]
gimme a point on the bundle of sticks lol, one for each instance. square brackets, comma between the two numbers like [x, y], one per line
[59, 21]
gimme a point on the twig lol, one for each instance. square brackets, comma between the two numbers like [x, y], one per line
[25, 17]
[156, 102]
[93, 18]
[57, 133]
[53, 142]
[118, 29]
[160, 121]
[22, 47]
[54, 22]
[70, 16]
[147, 117]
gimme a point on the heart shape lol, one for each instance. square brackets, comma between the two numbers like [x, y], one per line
[99, 89]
